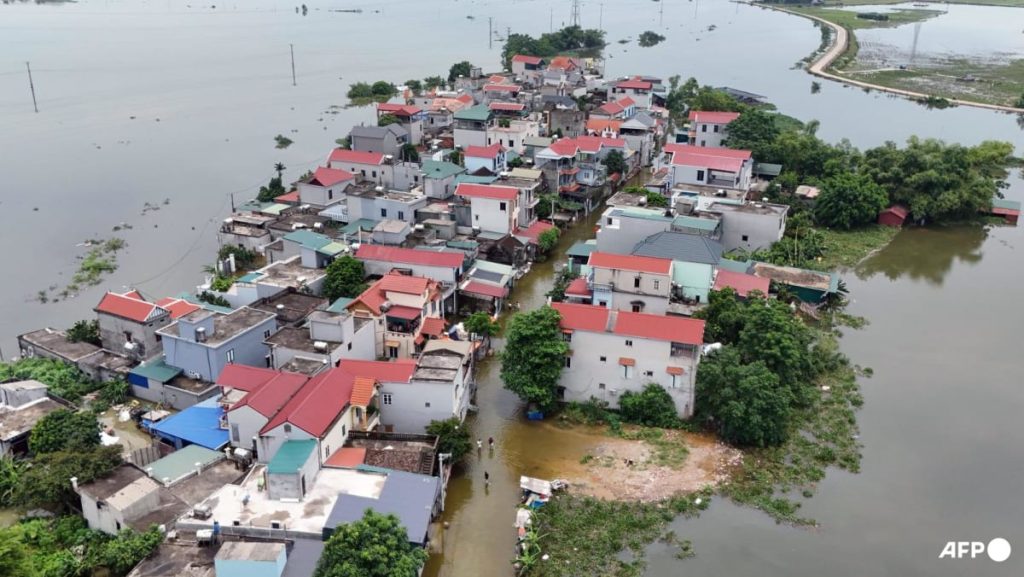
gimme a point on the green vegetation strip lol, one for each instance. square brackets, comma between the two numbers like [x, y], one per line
[849, 19]
[988, 82]
[844, 249]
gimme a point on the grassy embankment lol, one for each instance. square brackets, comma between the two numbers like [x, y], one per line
[1004, 3]
[846, 248]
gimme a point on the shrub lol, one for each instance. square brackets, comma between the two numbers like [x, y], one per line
[652, 407]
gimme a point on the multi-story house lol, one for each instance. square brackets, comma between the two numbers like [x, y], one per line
[511, 133]
[712, 167]
[620, 109]
[694, 258]
[411, 118]
[129, 324]
[439, 178]
[611, 352]
[326, 187]
[383, 139]
[438, 387]
[471, 126]
[444, 267]
[630, 283]
[528, 67]
[710, 128]
[369, 166]
[494, 209]
[203, 342]
[575, 164]
[397, 305]
[639, 90]
[620, 229]
[490, 158]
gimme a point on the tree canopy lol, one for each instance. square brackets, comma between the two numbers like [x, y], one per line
[453, 437]
[64, 430]
[614, 162]
[46, 484]
[753, 130]
[571, 39]
[375, 546]
[459, 69]
[272, 190]
[85, 332]
[745, 399]
[652, 406]
[849, 200]
[534, 356]
[548, 240]
[386, 119]
[344, 278]
[481, 324]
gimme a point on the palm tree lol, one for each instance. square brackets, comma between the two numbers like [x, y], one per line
[279, 167]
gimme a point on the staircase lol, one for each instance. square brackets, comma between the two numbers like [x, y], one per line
[427, 463]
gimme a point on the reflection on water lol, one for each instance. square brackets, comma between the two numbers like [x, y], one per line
[926, 253]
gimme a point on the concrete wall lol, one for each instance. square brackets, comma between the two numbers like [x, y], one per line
[658, 285]
[322, 195]
[289, 485]
[112, 335]
[373, 172]
[107, 520]
[247, 422]
[494, 165]
[587, 372]
[622, 301]
[335, 436]
[250, 568]
[694, 279]
[465, 137]
[760, 230]
[272, 440]
[254, 243]
[208, 361]
[710, 135]
[489, 216]
[624, 233]
[440, 188]
[409, 411]
[174, 397]
[440, 274]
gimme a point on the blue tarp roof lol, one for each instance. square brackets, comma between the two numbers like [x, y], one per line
[409, 496]
[197, 425]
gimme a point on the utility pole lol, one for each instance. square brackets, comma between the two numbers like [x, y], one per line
[292, 48]
[490, 32]
[661, 13]
[575, 19]
[32, 87]
[600, 18]
[551, 21]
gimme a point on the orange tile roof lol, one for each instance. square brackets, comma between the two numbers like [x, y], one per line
[630, 262]
[347, 457]
[578, 317]
[362, 391]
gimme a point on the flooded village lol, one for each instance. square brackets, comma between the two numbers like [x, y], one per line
[524, 319]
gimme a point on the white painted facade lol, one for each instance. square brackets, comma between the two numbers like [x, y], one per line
[321, 196]
[495, 215]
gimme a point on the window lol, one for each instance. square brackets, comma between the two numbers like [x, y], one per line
[601, 386]
[416, 178]
[568, 362]
[385, 398]
[700, 173]
[637, 307]
[128, 336]
[231, 355]
[330, 194]
[675, 382]
[745, 237]
[268, 360]
[608, 221]
[629, 343]
[401, 215]
[350, 346]
[344, 431]
[627, 371]
[266, 334]
[657, 284]
[234, 432]
[363, 173]
[393, 352]
[703, 127]
[118, 524]
[384, 213]
[502, 206]
[648, 373]
[287, 428]
[476, 217]
[703, 142]
[636, 282]
[375, 174]
[604, 359]
[716, 128]
[427, 405]
[567, 337]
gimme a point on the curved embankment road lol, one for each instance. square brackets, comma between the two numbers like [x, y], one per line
[839, 41]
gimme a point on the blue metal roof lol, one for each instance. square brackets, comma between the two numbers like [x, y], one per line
[408, 496]
[197, 425]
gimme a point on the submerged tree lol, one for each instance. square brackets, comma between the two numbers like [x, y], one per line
[534, 356]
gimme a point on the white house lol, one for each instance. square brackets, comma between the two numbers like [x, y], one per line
[527, 67]
[370, 166]
[113, 502]
[327, 337]
[490, 158]
[438, 388]
[409, 116]
[471, 126]
[637, 89]
[709, 128]
[509, 133]
[444, 267]
[493, 208]
[700, 166]
[439, 178]
[251, 397]
[611, 352]
[326, 186]
[630, 283]
[397, 306]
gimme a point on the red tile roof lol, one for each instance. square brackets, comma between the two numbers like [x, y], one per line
[404, 312]
[355, 156]
[433, 326]
[484, 289]
[398, 109]
[648, 264]
[470, 190]
[288, 198]
[711, 158]
[626, 102]
[533, 231]
[610, 108]
[635, 84]
[362, 391]
[578, 287]
[601, 125]
[316, 405]
[501, 88]
[403, 283]
[347, 457]
[133, 307]
[490, 152]
[177, 307]
[527, 59]
[507, 106]
[580, 317]
[660, 328]
[498, 79]
[466, 98]
[409, 256]
[564, 63]
[399, 371]
[372, 298]
[244, 378]
[564, 147]
[740, 282]
[270, 397]
[593, 144]
[134, 294]
[330, 176]
[709, 117]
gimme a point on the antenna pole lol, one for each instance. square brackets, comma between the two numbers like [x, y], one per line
[292, 48]
[490, 32]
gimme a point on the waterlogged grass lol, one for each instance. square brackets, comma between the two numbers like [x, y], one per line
[99, 261]
[992, 82]
[588, 536]
[844, 249]
[668, 449]
[849, 20]
[1008, 3]
[776, 479]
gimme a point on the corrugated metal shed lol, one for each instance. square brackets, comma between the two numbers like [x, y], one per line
[291, 456]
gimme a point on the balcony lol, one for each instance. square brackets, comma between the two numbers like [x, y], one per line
[717, 181]
[684, 351]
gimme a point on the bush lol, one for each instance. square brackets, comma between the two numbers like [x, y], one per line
[64, 430]
[453, 437]
[85, 332]
[210, 298]
[652, 407]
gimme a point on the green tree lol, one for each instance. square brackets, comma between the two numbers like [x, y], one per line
[534, 356]
[482, 325]
[386, 119]
[433, 82]
[279, 168]
[1020, 102]
[723, 317]
[459, 69]
[13, 556]
[453, 437]
[772, 334]
[128, 549]
[849, 200]
[85, 332]
[344, 278]
[754, 130]
[11, 471]
[244, 258]
[516, 162]
[375, 546]
[614, 162]
[652, 407]
[343, 143]
[558, 288]
[654, 199]
[408, 153]
[383, 88]
[415, 86]
[649, 38]
[64, 430]
[744, 402]
[548, 240]
[46, 483]
[272, 190]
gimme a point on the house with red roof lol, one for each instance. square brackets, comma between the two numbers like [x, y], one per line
[703, 166]
[396, 305]
[528, 67]
[641, 90]
[493, 208]
[439, 387]
[742, 283]
[710, 128]
[325, 187]
[489, 158]
[612, 351]
[621, 109]
[443, 266]
[250, 397]
[410, 116]
[575, 164]
[129, 324]
[630, 282]
[371, 166]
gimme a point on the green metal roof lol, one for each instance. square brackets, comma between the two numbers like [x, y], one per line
[332, 248]
[275, 209]
[463, 244]
[308, 238]
[439, 169]
[582, 249]
[734, 265]
[706, 224]
[644, 213]
[1005, 204]
[767, 168]
[357, 225]
[479, 113]
[470, 179]
[291, 456]
[339, 305]
[157, 370]
[182, 462]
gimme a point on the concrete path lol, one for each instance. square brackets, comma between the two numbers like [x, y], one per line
[840, 40]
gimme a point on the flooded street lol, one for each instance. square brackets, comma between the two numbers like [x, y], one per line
[146, 102]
